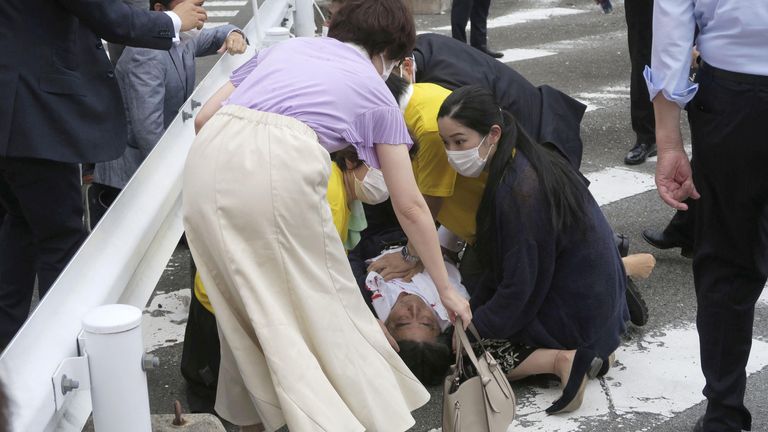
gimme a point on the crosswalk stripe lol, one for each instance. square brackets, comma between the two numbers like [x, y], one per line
[165, 319]
[657, 373]
[616, 183]
[211, 24]
[606, 96]
[225, 3]
[524, 16]
[222, 13]
[519, 54]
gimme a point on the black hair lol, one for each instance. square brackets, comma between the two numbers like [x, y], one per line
[166, 4]
[397, 85]
[429, 361]
[476, 108]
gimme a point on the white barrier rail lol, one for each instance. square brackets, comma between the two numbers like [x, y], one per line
[123, 258]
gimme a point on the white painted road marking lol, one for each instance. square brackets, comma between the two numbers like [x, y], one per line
[524, 16]
[165, 320]
[518, 54]
[210, 24]
[616, 183]
[603, 98]
[222, 13]
[658, 374]
[225, 3]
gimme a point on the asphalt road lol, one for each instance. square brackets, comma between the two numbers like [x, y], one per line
[656, 386]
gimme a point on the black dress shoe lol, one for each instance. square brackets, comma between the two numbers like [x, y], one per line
[664, 240]
[638, 310]
[622, 244]
[699, 426]
[639, 153]
[585, 364]
[494, 54]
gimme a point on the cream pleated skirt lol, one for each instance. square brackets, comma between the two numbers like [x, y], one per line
[298, 344]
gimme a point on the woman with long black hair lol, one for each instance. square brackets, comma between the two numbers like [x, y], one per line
[551, 295]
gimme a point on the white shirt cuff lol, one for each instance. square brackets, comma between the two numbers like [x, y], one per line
[176, 25]
[680, 97]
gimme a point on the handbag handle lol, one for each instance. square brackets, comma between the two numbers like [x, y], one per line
[463, 345]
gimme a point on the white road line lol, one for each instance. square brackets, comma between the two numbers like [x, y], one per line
[524, 16]
[225, 3]
[616, 183]
[165, 320]
[210, 24]
[222, 13]
[518, 54]
[657, 374]
[763, 299]
[603, 98]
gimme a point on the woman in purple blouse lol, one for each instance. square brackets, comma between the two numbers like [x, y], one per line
[298, 344]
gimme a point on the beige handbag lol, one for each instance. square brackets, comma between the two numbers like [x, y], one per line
[479, 400]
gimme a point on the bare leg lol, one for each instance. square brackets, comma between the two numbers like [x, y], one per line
[545, 361]
[639, 265]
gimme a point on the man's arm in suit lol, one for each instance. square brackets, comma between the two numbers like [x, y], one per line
[117, 22]
[141, 75]
[210, 40]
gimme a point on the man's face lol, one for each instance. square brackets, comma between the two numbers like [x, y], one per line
[412, 319]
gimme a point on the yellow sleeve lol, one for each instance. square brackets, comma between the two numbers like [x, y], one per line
[201, 295]
[434, 175]
[337, 200]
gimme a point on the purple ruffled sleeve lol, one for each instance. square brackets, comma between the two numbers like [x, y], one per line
[384, 125]
[241, 73]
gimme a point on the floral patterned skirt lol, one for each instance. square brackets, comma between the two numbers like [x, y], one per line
[507, 353]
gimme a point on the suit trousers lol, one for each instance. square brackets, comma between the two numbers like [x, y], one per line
[730, 265]
[476, 12]
[681, 226]
[639, 15]
[41, 231]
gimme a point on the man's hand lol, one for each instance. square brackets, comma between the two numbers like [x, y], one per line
[674, 179]
[393, 266]
[191, 13]
[391, 339]
[234, 44]
[456, 305]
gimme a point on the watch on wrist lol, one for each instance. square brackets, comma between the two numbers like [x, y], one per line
[407, 257]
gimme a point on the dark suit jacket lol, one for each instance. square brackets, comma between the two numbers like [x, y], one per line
[546, 114]
[59, 99]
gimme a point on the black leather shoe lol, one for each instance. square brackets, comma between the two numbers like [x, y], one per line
[638, 310]
[494, 54]
[662, 240]
[639, 153]
[699, 426]
[622, 244]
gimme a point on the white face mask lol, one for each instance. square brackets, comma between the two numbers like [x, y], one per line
[325, 31]
[386, 69]
[372, 190]
[469, 163]
[189, 34]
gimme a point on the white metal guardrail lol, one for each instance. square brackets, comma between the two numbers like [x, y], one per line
[123, 258]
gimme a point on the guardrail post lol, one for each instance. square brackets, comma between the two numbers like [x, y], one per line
[115, 358]
[304, 22]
